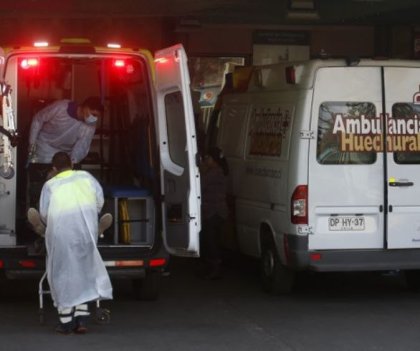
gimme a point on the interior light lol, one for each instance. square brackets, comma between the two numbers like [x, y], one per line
[41, 44]
[29, 62]
[113, 46]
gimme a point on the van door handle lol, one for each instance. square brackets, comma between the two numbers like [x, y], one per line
[401, 183]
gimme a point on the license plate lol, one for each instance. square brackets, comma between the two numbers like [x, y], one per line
[346, 223]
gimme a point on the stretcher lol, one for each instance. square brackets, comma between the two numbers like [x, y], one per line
[102, 315]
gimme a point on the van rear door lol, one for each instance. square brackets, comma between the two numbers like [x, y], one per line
[180, 178]
[403, 184]
[345, 188]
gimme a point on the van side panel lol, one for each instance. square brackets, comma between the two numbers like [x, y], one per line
[256, 140]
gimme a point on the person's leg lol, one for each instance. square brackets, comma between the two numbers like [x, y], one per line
[81, 317]
[104, 223]
[212, 249]
[66, 322]
[35, 219]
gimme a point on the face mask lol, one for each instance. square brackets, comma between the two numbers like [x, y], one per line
[91, 119]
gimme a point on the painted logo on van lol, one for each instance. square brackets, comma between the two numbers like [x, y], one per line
[268, 129]
[364, 134]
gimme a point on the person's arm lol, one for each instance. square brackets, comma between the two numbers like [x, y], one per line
[99, 194]
[44, 202]
[42, 117]
[82, 145]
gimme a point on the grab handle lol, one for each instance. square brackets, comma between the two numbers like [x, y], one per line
[401, 183]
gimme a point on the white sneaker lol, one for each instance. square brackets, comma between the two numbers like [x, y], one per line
[35, 219]
[104, 223]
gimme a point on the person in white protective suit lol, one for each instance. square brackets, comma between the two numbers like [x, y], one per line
[64, 126]
[69, 205]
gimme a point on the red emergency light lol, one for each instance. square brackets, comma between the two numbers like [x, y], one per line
[29, 63]
[119, 63]
[290, 75]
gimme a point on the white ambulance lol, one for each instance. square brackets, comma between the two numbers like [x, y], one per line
[143, 153]
[324, 163]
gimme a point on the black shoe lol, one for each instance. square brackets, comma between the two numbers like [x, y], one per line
[81, 325]
[64, 328]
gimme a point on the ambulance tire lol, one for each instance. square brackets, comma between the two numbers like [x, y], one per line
[275, 277]
[412, 279]
[147, 288]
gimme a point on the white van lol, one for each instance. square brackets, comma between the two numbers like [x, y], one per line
[324, 161]
[143, 153]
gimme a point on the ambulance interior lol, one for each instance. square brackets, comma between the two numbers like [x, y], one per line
[122, 155]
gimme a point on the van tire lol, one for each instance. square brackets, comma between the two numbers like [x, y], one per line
[147, 288]
[275, 277]
[412, 279]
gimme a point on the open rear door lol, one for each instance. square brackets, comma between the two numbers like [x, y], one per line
[178, 149]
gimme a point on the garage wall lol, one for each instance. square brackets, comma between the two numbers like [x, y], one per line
[222, 40]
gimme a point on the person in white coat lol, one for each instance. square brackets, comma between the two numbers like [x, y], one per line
[69, 205]
[64, 126]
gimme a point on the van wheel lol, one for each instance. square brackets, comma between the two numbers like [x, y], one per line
[276, 278]
[412, 279]
[147, 289]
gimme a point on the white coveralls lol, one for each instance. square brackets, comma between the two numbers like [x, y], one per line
[53, 130]
[69, 204]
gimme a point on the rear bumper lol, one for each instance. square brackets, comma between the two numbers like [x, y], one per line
[300, 258]
[122, 262]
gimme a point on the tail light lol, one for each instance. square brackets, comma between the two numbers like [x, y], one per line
[157, 262]
[299, 205]
[1, 264]
[27, 263]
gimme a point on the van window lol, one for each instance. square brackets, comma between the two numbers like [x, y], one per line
[406, 110]
[177, 138]
[329, 142]
[233, 130]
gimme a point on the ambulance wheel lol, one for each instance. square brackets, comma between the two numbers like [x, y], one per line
[412, 279]
[276, 278]
[103, 316]
[147, 289]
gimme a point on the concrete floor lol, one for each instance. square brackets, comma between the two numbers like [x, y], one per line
[357, 311]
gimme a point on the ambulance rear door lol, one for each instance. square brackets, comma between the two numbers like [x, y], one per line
[346, 188]
[180, 178]
[402, 98]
